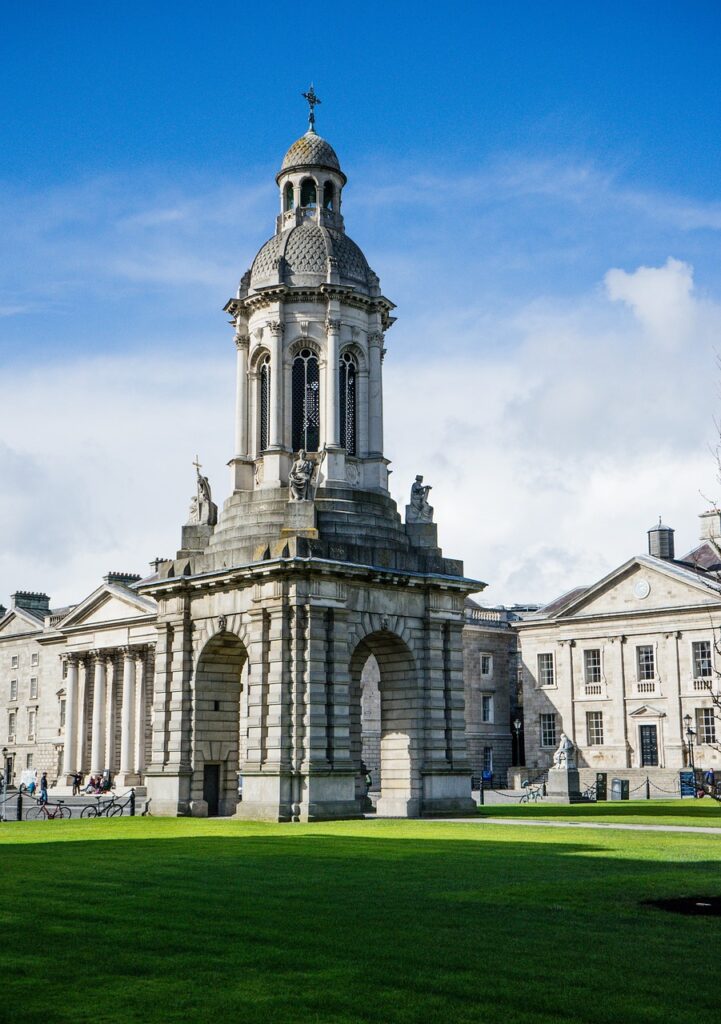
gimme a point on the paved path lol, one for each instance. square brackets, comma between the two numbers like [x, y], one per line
[705, 830]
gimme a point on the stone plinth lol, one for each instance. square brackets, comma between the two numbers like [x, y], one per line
[563, 785]
[299, 520]
[422, 535]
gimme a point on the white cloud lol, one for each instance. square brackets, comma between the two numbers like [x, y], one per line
[660, 297]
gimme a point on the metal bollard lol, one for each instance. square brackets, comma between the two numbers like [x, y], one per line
[20, 807]
[648, 788]
[132, 803]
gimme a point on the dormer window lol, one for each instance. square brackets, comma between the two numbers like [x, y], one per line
[328, 196]
[288, 199]
[308, 193]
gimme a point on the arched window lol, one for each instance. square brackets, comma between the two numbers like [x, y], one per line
[288, 197]
[308, 192]
[328, 195]
[264, 388]
[306, 402]
[347, 403]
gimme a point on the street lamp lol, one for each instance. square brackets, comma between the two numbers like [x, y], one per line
[689, 740]
[517, 726]
[5, 782]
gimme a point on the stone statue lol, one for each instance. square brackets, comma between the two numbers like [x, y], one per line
[299, 478]
[565, 756]
[203, 510]
[419, 511]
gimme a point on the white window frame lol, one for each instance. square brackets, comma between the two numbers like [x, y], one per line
[489, 673]
[13, 689]
[705, 725]
[694, 645]
[488, 759]
[645, 678]
[14, 661]
[594, 729]
[546, 718]
[551, 655]
[29, 761]
[63, 707]
[12, 725]
[32, 724]
[487, 702]
[34, 659]
[586, 677]
[33, 687]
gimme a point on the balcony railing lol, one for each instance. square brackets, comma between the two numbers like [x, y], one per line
[646, 687]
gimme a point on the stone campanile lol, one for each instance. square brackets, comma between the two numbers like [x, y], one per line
[271, 608]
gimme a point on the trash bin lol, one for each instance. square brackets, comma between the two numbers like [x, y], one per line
[601, 786]
[619, 789]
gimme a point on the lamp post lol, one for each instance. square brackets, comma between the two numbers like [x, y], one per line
[517, 726]
[5, 782]
[689, 740]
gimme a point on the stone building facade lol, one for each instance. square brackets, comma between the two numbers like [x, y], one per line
[625, 666]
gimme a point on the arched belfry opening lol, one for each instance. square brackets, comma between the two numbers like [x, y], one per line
[397, 725]
[216, 751]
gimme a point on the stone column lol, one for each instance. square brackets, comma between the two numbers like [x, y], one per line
[275, 439]
[242, 343]
[82, 721]
[126, 718]
[97, 747]
[141, 673]
[71, 712]
[362, 413]
[112, 689]
[375, 395]
[332, 412]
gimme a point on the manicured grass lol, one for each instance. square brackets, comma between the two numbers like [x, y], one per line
[688, 812]
[164, 920]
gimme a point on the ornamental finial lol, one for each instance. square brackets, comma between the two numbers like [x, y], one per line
[313, 101]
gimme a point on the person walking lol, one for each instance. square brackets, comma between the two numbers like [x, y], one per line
[44, 788]
[77, 780]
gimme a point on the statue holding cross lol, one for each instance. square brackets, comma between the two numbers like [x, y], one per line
[313, 101]
[203, 510]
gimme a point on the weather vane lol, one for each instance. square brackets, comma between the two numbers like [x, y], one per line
[313, 101]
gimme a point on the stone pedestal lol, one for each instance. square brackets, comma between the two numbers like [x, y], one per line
[422, 535]
[242, 473]
[299, 520]
[563, 785]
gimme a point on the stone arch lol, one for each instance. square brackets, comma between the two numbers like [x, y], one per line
[401, 718]
[301, 342]
[354, 349]
[216, 724]
[259, 352]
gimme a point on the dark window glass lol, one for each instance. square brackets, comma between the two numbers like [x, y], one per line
[264, 402]
[347, 403]
[288, 198]
[306, 402]
[328, 195]
[308, 193]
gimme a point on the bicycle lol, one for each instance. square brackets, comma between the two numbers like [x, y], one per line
[42, 810]
[110, 810]
[532, 794]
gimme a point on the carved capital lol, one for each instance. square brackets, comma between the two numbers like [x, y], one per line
[376, 338]
[242, 341]
[276, 328]
[332, 326]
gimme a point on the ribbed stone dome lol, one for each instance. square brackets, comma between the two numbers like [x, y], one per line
[306, 250]
[310, 149]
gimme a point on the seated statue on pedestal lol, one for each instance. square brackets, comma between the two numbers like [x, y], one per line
[565, 756]
[419, 511]
[299, 478]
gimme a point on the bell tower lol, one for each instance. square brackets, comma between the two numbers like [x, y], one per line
[310, 323]
[269, 612]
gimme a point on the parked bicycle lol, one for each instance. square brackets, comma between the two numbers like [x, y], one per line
[46, 810]
[110, 809]
[531, 794]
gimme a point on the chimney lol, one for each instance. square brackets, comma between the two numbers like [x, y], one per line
[660, 541]
[125, 579]
[711, 525]
[36, 604]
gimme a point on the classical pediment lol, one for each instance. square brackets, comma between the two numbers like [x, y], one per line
[110, 603]
[641, 585]
[647, 711]
[17, 621]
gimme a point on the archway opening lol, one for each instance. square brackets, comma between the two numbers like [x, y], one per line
[386, 712]
[216, 726]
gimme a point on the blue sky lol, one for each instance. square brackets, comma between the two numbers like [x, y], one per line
[508, 164]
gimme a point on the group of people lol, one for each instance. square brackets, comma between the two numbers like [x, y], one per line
[33, 787]
[97, 784]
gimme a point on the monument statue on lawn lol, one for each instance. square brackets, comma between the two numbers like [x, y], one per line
[563, 778]
[564, 757]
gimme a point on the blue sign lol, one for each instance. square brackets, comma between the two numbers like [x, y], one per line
[688, 783]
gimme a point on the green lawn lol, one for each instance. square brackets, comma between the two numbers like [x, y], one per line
[166, 920]
[705, 812]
